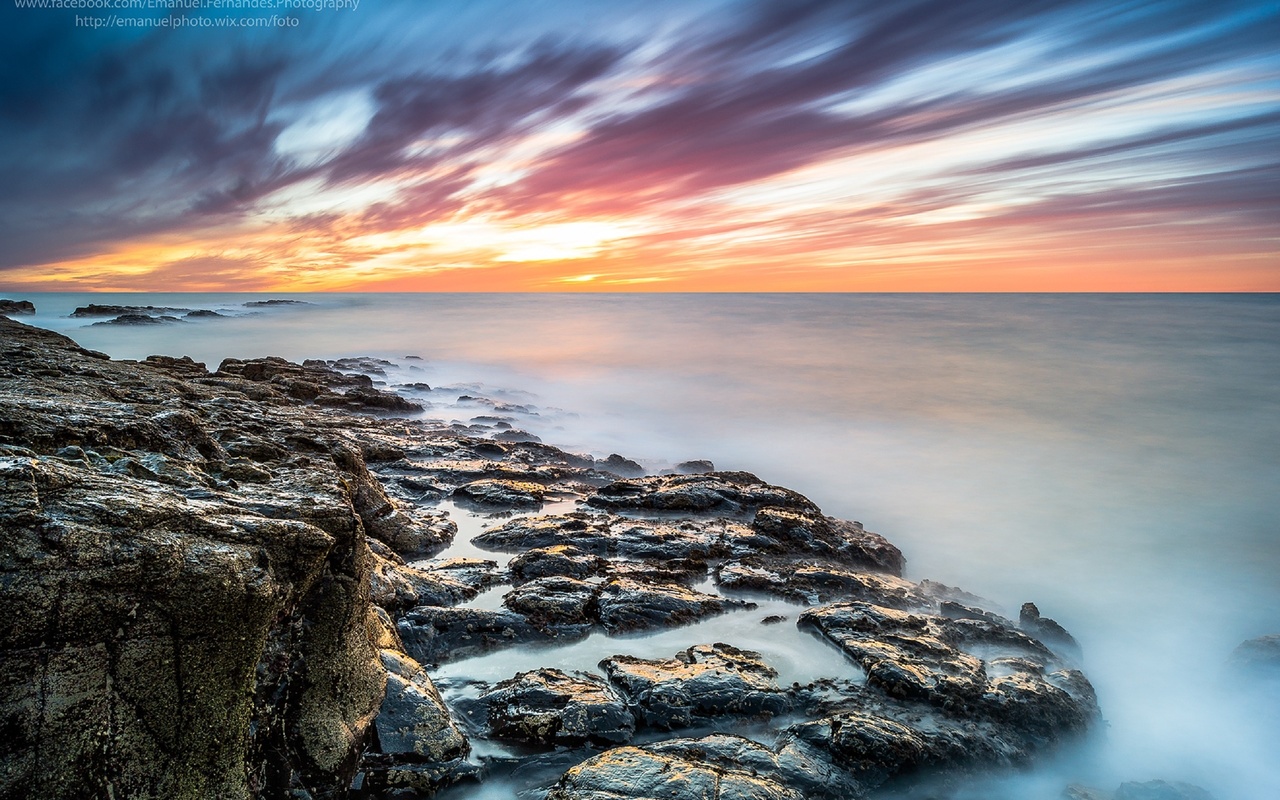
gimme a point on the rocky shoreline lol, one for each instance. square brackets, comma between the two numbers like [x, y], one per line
[235, 583]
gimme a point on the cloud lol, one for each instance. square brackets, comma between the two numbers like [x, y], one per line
[1023, 113]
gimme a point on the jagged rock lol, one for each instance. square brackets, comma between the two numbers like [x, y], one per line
[1046, 630]
[413, 720]
[703, 682]
[609, 535]
[397, 586]
[436, 635]
[166, 639]
[551, 603]
[816, 582]
[139, 319]
[96, 310]
[14, 308]
[718, 767]
[204, 313]
[275, 302]
[696, 467]
[719, 491]
[505, 493]
[560, 560]
[625, 605]
[550, 707]
[620, 466]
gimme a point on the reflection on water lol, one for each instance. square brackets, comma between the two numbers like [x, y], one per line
[1113, 458]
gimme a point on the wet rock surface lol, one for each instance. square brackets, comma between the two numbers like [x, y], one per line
[701, 683]
[238, 584]
[551, 707]
[15, 308]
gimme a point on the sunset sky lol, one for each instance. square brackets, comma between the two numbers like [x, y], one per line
[416, 145]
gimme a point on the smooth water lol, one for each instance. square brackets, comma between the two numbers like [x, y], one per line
[1114, 458]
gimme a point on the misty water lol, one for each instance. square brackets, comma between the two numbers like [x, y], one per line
[1113, 458]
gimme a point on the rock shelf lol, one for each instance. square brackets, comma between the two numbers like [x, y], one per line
[238, 584]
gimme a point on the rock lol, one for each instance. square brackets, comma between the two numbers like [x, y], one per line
[273, 303]
[550, 707]
[813, 582]
[184, 367]
[171, 639]
[413, 721]
[718, 767]
[1046, 630]
[803, 530]
[367, 399]
[624, 605]
[643, 539]
[437, 635]
[397, 587]
[204, 313]
[95, 310]
[696, 467]
[731, 492]
[139, 319]
[14, 308]
[555, 603]
[702, 683]
[922, 658]
[560, 560]
[1261, 654]
[620, 466]
[1161, 790]
[506, 493]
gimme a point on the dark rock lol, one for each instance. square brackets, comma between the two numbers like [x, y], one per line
[14, 308]
[623, 467]
[505, 493]
[95, 310]
[696, 467]
[139, 319]
[1046, 630]
[413, 720]
[718, 767]
[436, 635]
[397, 586]
[701, 683]
[556, 561]
[370, 399]
[625, 605]
[184, 367]
[773, 619]
[554, 603]
[814, 582]
[921, 657]
[159, 635]
[550, 707]
[273, 302]
[204, 313]
[731, 492]
[515, 436]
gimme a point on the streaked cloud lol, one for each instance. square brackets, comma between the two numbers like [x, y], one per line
[934, 144]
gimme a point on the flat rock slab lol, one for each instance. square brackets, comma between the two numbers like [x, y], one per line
[719, 767]
[702, 683]
[551, 707]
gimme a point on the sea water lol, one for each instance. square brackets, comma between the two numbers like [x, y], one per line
[1113, 458]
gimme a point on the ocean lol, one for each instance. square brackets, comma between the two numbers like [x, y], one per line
[1113, 458]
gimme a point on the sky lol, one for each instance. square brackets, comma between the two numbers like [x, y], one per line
[700, 145]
